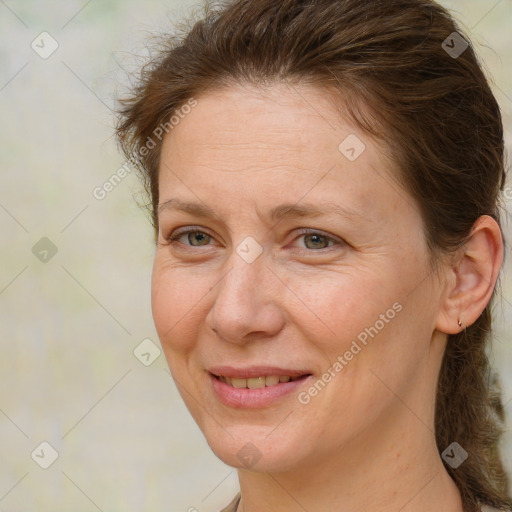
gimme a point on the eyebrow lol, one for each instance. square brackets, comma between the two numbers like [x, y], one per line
[287, 210]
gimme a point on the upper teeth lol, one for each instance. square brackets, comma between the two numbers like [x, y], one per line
[257, 382]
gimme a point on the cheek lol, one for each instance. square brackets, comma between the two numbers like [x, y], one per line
[336, 308]
[176, 301]
[385, 343]
[364, 321]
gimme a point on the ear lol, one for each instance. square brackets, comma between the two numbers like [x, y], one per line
[471, 280]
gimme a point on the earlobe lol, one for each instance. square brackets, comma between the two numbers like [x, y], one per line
[472, 278]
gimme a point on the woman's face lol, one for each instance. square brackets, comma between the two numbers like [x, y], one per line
[343, 298]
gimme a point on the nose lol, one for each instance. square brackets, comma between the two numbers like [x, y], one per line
[246, 301]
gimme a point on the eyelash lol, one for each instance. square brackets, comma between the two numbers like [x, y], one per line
[177, 234]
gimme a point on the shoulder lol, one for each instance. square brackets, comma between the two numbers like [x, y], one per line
[234, 504]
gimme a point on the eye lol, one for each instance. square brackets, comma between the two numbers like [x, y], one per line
[315, 240]
[192, 235]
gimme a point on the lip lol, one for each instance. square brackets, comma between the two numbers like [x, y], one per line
[255, 371]
[244, 398]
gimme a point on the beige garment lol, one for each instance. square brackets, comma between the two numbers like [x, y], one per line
[234, 504]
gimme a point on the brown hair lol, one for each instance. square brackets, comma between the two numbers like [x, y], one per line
[393, 64]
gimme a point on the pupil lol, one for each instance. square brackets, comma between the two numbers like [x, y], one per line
[198, 236]
[318, 239]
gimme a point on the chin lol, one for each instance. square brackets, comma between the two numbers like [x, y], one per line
[256, 452]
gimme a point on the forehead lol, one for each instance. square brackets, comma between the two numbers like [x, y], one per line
[289, 141]
[247, 117]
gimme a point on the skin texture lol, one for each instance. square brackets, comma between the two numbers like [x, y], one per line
[366, 440]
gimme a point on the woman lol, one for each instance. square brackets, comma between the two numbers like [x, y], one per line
[325, 183]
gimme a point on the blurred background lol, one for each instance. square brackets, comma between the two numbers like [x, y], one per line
[90, 418]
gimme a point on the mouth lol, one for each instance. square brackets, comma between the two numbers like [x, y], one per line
[263, 381]
[256, 387]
